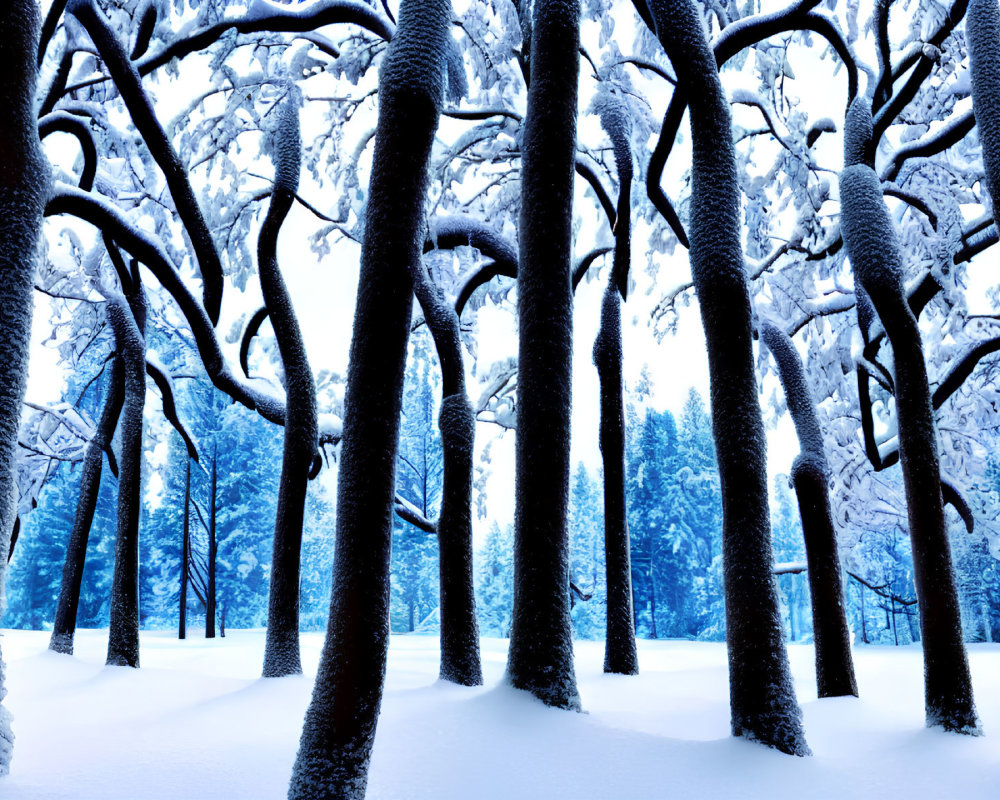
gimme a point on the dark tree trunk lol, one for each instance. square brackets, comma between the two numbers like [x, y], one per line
[24, 183]
[876, 259]
[212, 553]
[982, 34]
[281, 652]
[128, 322]
[339, 729]
[762, 697]
[541, 644]
[64, 627]
[834, 666]
[864, 621]
[460, 661]
[185, 553]
[620, 654]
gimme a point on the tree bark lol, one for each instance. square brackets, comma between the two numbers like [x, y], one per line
[64, 627]
[834, 665]
[876, 259]
[24, 184]
[281, 652]
[762, 697]
[460, 660]
[212, 553]
[128, 322]
[185, 553]
[339, 728]
[541, 644]
[620, 655]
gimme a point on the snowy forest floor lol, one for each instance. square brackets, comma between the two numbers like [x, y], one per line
[196, 723]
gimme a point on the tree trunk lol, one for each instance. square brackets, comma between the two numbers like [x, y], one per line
[64, 627]
[541, 644]
[834, 665]
[24, 183]
[762, 697]
[185, 553]
[212, 553]
[123, 634]
[339, 729]
[281, 651]
[460, 660]
[620, 655]
[876, 259]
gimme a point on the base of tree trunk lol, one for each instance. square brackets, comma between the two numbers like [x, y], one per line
[282, 655]
[61, 643]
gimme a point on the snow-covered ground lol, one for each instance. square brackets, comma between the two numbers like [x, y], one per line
[195, 723]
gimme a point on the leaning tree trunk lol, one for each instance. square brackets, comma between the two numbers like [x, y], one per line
[64, 627]
[24, 182]
[762, 697]
[123, 633]
[460, 661]
[185, 553]
[620, 654]
[834, 666]
[281, 651]
[339, 728]
[541, 644]
[877, 261]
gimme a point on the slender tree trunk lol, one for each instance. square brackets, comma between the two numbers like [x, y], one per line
[64, 627]
[540, 659]
[24, 182]
[864, 622]
[653, 633]
[620, 655]
[762, 697]
[834, 665]
[185, 553]
[339, 729]
[876, 259]
[460, 661]
[212, 553]
[128, 322]
[281, 651]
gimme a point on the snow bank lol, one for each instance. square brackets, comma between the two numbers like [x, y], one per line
[195, 722]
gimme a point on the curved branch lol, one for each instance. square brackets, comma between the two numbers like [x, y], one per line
[587, 173]
[104, 216]
[277, 19]
[253, 327]
[924, 66]
[475, 114]
[952, 133]
[953, 497]
[166, 387]
[140, 108]
[49, 27]
[62, 122]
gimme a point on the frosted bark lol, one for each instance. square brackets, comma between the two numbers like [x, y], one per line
[64, 627]
[281, 652]
[762, 697]
[834, 665]
[339, 729]
[127, 322]
[460, 660]
[876, 259]
[541, 646]
[982, 33]
[24, 185]
[620, 655]
[128, 82]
